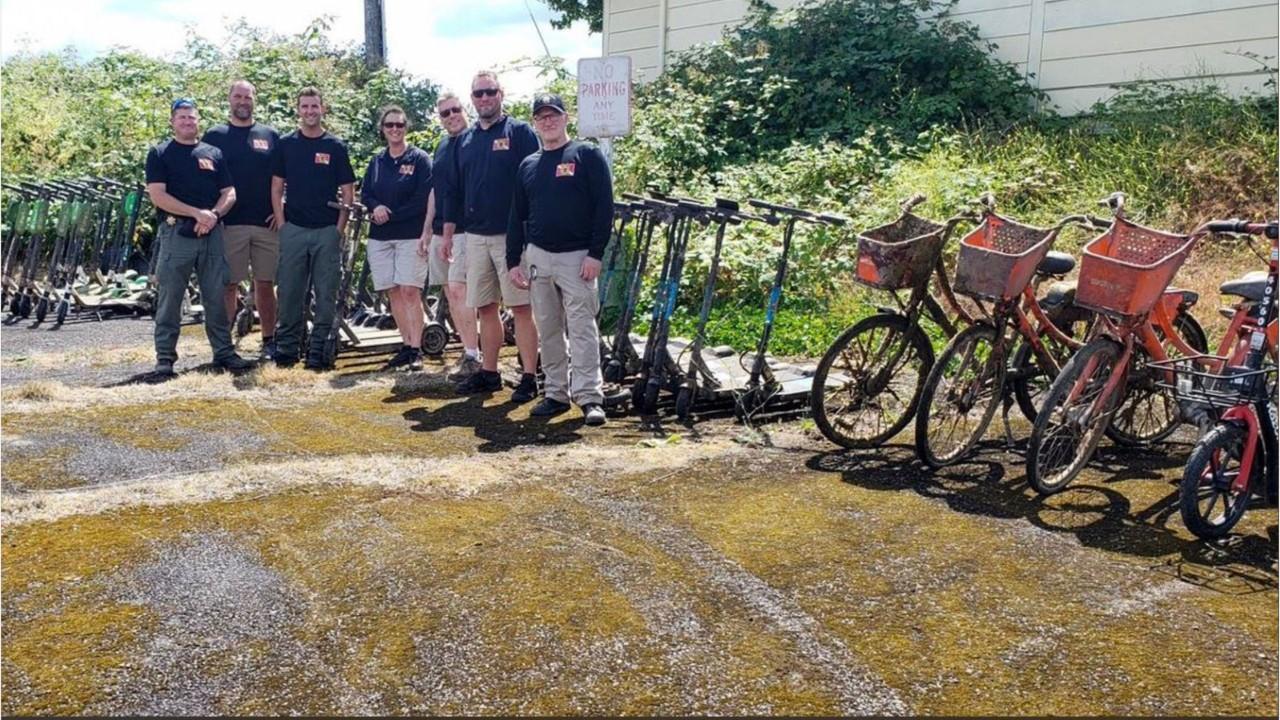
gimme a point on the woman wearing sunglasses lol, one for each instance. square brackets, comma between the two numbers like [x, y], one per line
[395, 188]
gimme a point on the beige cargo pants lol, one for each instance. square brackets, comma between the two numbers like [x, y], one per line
[565, 305]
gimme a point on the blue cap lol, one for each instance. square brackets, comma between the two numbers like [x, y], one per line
[182, 103]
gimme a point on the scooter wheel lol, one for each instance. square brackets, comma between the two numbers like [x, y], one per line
[24, 307]
[508, 328]
[434, 339]
[386, 322]
[244, 322]
[61, 316]
[650, 397]
[42, 309]
[684, 403]
[613, 372]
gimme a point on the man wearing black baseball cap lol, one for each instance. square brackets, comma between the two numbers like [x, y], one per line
[190, 185]
[561, 213]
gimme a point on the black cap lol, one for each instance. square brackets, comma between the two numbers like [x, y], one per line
[547, 100]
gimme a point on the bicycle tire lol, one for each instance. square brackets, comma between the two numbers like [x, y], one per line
[912, 368]
[947, 400]
[1054, 436]
[1140, 389]
[1211, 461]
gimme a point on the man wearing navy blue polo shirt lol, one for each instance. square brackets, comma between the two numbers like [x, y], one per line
[488, 156]
[188, 182]
[313, 166]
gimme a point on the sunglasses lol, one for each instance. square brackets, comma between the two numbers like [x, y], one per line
[484, 92]
[450, 111]
[393, 125]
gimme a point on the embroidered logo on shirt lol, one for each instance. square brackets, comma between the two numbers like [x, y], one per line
[502, 144]
[261, 144]
[565, 169]
[322, 158]
[406, 169]
[205, 164]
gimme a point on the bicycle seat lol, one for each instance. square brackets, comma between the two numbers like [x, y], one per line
[1059, 293]
[1249, 287]
[1056, 263]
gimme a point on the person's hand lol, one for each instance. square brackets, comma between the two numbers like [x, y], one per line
[424, 246]
[518, 277]
[446, 249]
[590, 269]
[381, 214]
[276, 221]
[206, 221]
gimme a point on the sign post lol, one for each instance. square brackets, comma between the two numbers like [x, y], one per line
[604, 100]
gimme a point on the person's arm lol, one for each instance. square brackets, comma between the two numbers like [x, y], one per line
[516, 220]
[277, 202]
[161, 198]
[348, 193]
[424, 241]
[226, 190]
[366, 185]
[346, 184]
[600, 189]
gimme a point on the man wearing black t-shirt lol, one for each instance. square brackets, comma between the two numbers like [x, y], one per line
[313, 166]
[247, 146]
[561, 213]
[188, 183]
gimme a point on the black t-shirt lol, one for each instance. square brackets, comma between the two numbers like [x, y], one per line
[402, 184]
[487, 161]
[194, 174]
[248, 154]
[563, 201]
[312, 169]
[444, 181]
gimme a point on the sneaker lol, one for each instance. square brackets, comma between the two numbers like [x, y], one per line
[401, 358]
[548, 408]
[466, 367]
[415, 360]
[593, 414]
[526, 390]
[164, 368]
[481, 382]
[235, 363]
[268, 351]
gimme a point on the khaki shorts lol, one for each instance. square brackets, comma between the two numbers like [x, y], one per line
[487, 280]
[396, 262]
[251, 245]
[443, 271]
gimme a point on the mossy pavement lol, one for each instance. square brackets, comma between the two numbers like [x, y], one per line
[575, 570]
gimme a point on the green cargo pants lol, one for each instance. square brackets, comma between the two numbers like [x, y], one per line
[308, 258]
[178, 257]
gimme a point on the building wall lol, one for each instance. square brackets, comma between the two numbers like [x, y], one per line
[1074, 50]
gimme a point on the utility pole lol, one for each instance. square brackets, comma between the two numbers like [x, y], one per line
[375, 35]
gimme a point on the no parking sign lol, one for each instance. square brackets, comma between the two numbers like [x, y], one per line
[604, 96]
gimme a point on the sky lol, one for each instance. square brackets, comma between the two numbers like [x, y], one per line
[445, 42]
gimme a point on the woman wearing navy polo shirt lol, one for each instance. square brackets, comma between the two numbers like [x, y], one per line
[395, 189]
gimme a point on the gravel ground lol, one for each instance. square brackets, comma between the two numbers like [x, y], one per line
[438, 555]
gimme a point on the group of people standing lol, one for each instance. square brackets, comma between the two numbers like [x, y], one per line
[501, 213]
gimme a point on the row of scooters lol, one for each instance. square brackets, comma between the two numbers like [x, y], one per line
[71, 248]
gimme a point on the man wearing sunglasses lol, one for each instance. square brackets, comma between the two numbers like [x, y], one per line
[450, 270]
[488, 156]
[188, 182]
[563, 209]
[313, 165]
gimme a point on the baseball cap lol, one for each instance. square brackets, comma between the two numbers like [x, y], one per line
[548, 100]
[182, 103]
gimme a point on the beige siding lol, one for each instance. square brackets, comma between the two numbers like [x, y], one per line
[1074, 50]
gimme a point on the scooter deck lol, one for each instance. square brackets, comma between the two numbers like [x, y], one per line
[724, 365]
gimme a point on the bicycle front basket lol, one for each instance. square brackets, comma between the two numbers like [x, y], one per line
[900, 254]
[999, 257]
[1125, 270]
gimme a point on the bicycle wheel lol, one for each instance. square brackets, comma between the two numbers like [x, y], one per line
[1069, 426]
[867, 385]
[1209, 508]
[959, 397]
[1149, 413]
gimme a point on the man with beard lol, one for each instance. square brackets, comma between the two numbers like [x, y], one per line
[488, 156]
[246, 146]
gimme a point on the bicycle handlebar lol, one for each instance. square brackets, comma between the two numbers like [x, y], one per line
[352, 207]
[1115, 201]
[1240, 227]
[910, 202]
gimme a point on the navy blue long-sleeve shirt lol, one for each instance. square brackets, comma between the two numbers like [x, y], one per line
[563, 201]
[444, 181]
[402, 184]
[487, 163]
